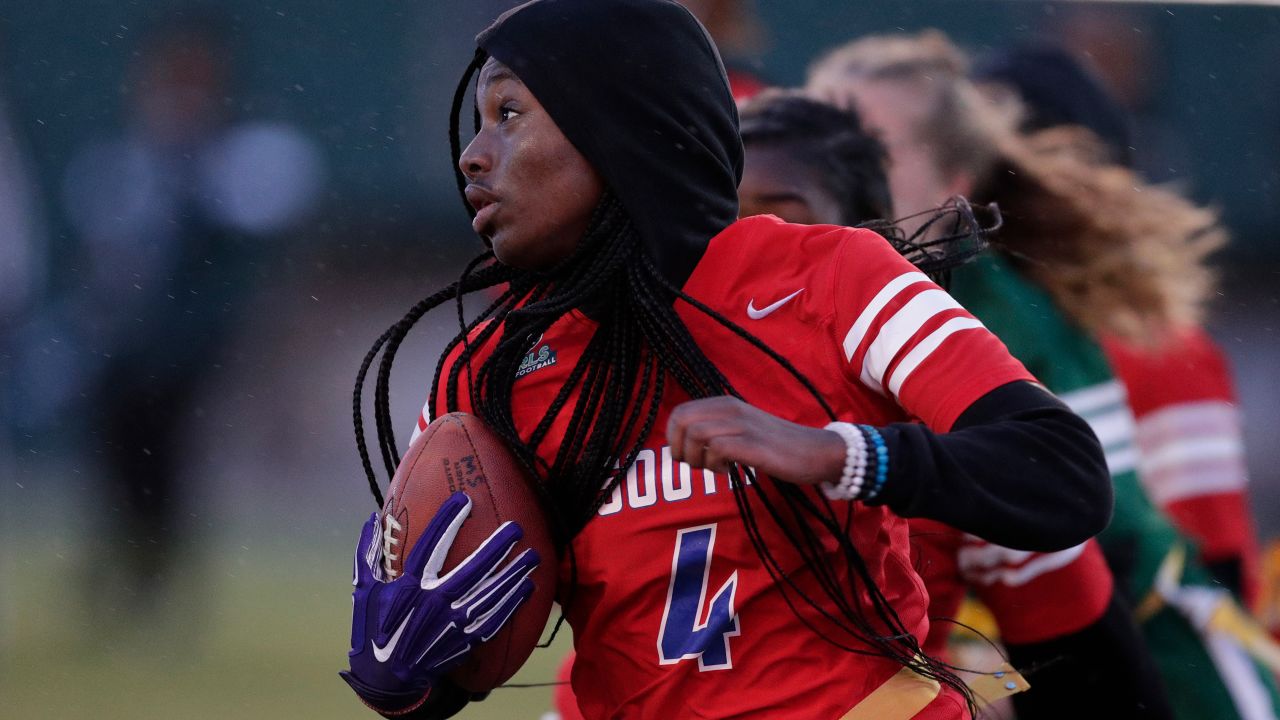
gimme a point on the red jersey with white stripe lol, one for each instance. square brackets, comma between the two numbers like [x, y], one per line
[1033, 596]
[1190, 443]
[674, 614]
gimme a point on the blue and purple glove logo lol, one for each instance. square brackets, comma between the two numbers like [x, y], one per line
[409, 632]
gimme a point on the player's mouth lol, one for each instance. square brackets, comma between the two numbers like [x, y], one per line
[484, 202]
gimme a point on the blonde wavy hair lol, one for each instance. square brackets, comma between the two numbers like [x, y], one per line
[1120, 256]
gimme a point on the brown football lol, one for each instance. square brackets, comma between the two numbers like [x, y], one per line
[459, 452]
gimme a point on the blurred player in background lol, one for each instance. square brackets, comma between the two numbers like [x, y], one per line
[603, 177]
[172, 218]
[1179, 384]
[1074, 254]
[740, 37]
[23, 266]
[1130, 56]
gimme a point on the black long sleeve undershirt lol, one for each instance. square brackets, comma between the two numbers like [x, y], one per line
[1018, 469]
[1103, 671]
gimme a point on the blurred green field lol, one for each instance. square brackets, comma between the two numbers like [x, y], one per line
[235, 641]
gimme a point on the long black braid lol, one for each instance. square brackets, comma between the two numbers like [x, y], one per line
[639, 349]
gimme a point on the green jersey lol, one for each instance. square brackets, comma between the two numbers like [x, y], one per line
[1074, 368]
[1206, 669]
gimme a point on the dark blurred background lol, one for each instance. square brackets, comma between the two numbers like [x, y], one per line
[209, 211]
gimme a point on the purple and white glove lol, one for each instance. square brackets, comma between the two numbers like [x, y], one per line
[408, 633]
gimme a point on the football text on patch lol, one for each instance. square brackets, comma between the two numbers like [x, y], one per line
[536, 360]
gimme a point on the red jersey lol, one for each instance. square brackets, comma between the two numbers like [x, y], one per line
[674, 614]
[1033, 596]
[1189, 439]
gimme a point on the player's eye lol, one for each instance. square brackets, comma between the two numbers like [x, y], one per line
[506, 112]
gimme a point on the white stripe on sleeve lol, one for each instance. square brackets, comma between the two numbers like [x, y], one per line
[899, 329]
[1121, 459]
[991, 564]
[868, 315]
[1105, 407]
[983, 555]
[1114, 428]
[1013, 577]
[1185, 421]
[1185, 483]
[1192, 468]
[1192, 450]
[1095, 397]
[926, 347]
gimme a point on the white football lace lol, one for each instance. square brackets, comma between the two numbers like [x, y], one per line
[389, 541]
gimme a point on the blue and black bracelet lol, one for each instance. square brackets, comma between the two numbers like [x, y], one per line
[877, 458]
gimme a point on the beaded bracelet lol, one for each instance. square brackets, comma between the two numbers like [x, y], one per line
[866, 465]
[881, 462]
[855, 463]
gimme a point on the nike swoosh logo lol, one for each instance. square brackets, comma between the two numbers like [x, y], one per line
[755, 314]
[384, 653]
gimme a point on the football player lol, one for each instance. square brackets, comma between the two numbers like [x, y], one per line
[1189, 433]
[1071, 263]
[721, 426]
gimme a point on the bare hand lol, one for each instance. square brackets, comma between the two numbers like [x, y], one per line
[713, 432]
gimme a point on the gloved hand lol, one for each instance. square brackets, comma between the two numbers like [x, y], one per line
[408, 633]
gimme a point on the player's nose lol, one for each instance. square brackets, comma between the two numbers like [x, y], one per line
[478, 158]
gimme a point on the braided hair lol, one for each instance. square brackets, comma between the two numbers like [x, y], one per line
[613, 396]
